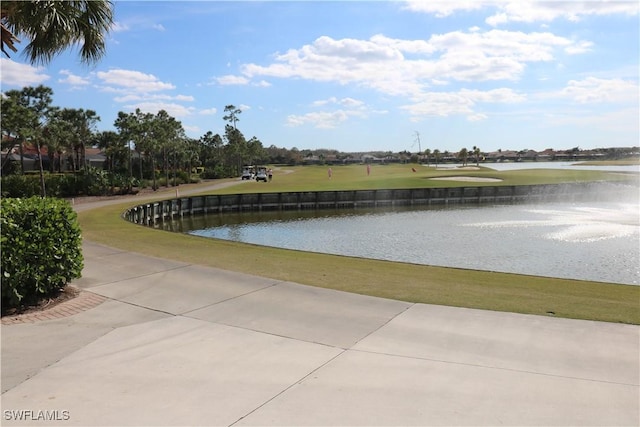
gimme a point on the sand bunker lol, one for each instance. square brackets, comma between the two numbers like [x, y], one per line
[467, 178]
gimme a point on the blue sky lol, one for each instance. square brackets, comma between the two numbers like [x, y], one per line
[360, 76]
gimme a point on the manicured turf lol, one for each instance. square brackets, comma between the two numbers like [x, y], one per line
[354, 177]
[406, 282]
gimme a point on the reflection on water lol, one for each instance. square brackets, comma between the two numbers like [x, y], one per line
[591, 241]
[580, 224]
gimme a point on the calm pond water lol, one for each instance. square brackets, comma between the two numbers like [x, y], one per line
[592, 240]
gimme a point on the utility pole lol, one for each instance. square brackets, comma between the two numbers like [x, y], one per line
[418, 141]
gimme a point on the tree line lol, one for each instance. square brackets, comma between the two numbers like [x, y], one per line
[145, 147]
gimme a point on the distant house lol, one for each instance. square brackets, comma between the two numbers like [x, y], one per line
[503, 156]
[95, 158]
[369, 158]
[30, 155]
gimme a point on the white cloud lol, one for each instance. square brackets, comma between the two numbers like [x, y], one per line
[476, 117]
[320, 120]
[133, 97]
[580, 47]
[405, 67]
[129, 80]
[593, 90]
[72, 79]
[135, 89]
[208, 111]
[119, 27]
[321, 102]
[158, 27]
[524, 10]
[409, 68]
[16, 74]
[347, 102]
[350, 102]
[501, 95]
[440, 104]
[444, 8]
[331, 119]
[231, 80]
[174, 110]
[462, 102]
[547, 11]
[191, 129]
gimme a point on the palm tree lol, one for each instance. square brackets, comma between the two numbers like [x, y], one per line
[53, 26]
[126, 123]
[436, 155]
[427, 153]
[463, 155]
[476, 152]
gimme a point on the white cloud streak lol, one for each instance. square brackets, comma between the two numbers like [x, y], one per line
[20, 75]
[175, 110]
[127, 80]
[73, 80]
[382, 63]
[597, 91]
[348, 108]
[462, 102]
[528, 11]
[231, 80]
[323, 119]
[409, 68]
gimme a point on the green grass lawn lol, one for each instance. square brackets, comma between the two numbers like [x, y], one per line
[354, 177]
[401, 281]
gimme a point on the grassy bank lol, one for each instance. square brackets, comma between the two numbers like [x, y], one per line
[406, 282]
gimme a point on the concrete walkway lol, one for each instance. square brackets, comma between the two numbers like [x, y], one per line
[168, 343]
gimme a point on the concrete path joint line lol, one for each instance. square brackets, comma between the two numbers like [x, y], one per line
[476, 365]
[146, 307]
[144, 275]
[232, 298]
[299, 381]
[385, 323]
[244, 328]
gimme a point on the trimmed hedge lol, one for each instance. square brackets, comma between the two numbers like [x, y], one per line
[92, 182]
[41, 249]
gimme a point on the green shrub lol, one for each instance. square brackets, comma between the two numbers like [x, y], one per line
[20, 186]
[41, 249]
[92, 182]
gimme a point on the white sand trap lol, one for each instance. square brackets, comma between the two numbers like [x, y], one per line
[467, 178]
